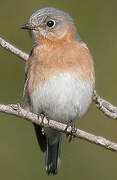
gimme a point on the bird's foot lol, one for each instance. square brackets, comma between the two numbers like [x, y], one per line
[43, 118]
[73, 130]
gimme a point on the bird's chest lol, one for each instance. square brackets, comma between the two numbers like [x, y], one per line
[63, 97]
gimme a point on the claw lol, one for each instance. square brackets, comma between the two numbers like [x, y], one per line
[42, 118]
[73, 130]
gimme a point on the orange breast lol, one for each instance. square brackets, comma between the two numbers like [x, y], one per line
[51, 59]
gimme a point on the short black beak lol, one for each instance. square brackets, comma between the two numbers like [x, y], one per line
[27, 26]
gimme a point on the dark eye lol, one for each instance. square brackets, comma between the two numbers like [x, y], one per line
[51, 23]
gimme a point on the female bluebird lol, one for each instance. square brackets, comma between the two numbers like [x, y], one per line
[59, 77]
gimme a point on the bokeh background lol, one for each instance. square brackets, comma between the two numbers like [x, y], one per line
[20, 156]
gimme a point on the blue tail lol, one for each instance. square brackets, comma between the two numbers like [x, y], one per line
[53, 153]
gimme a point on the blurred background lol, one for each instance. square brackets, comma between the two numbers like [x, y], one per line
[20, 156]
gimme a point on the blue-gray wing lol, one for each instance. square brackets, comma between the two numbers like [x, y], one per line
[27, 102]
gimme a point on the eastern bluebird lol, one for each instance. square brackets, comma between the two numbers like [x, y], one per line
[60, 77]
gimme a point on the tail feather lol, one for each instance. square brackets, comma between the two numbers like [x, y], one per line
[40, 137]
[53, 153]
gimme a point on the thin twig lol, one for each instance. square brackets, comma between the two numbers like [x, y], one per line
[13, 49]
[106, 107]
[17, 110]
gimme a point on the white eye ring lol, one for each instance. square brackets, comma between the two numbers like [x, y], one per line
[50, 23]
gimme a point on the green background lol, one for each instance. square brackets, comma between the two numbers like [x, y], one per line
[20, 156]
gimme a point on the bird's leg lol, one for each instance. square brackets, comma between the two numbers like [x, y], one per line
[43, 115]
[73, 130]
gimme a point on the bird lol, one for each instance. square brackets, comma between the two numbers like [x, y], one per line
[59, 78]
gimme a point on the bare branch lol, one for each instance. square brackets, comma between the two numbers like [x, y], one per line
[17, 110]
[107, 108]
[13, 49]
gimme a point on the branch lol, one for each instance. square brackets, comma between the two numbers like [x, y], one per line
[13, 49]
[106, 107]
[103, 105]
[17, 110]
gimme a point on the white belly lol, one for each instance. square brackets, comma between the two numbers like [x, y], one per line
[63, 98]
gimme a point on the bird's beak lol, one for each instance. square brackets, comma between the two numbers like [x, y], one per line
[27, 26]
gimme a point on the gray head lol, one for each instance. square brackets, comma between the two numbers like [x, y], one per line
[51, 23]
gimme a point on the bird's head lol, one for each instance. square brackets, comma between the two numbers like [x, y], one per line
[51, 24]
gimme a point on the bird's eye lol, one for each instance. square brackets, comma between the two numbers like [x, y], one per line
[51, 23]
